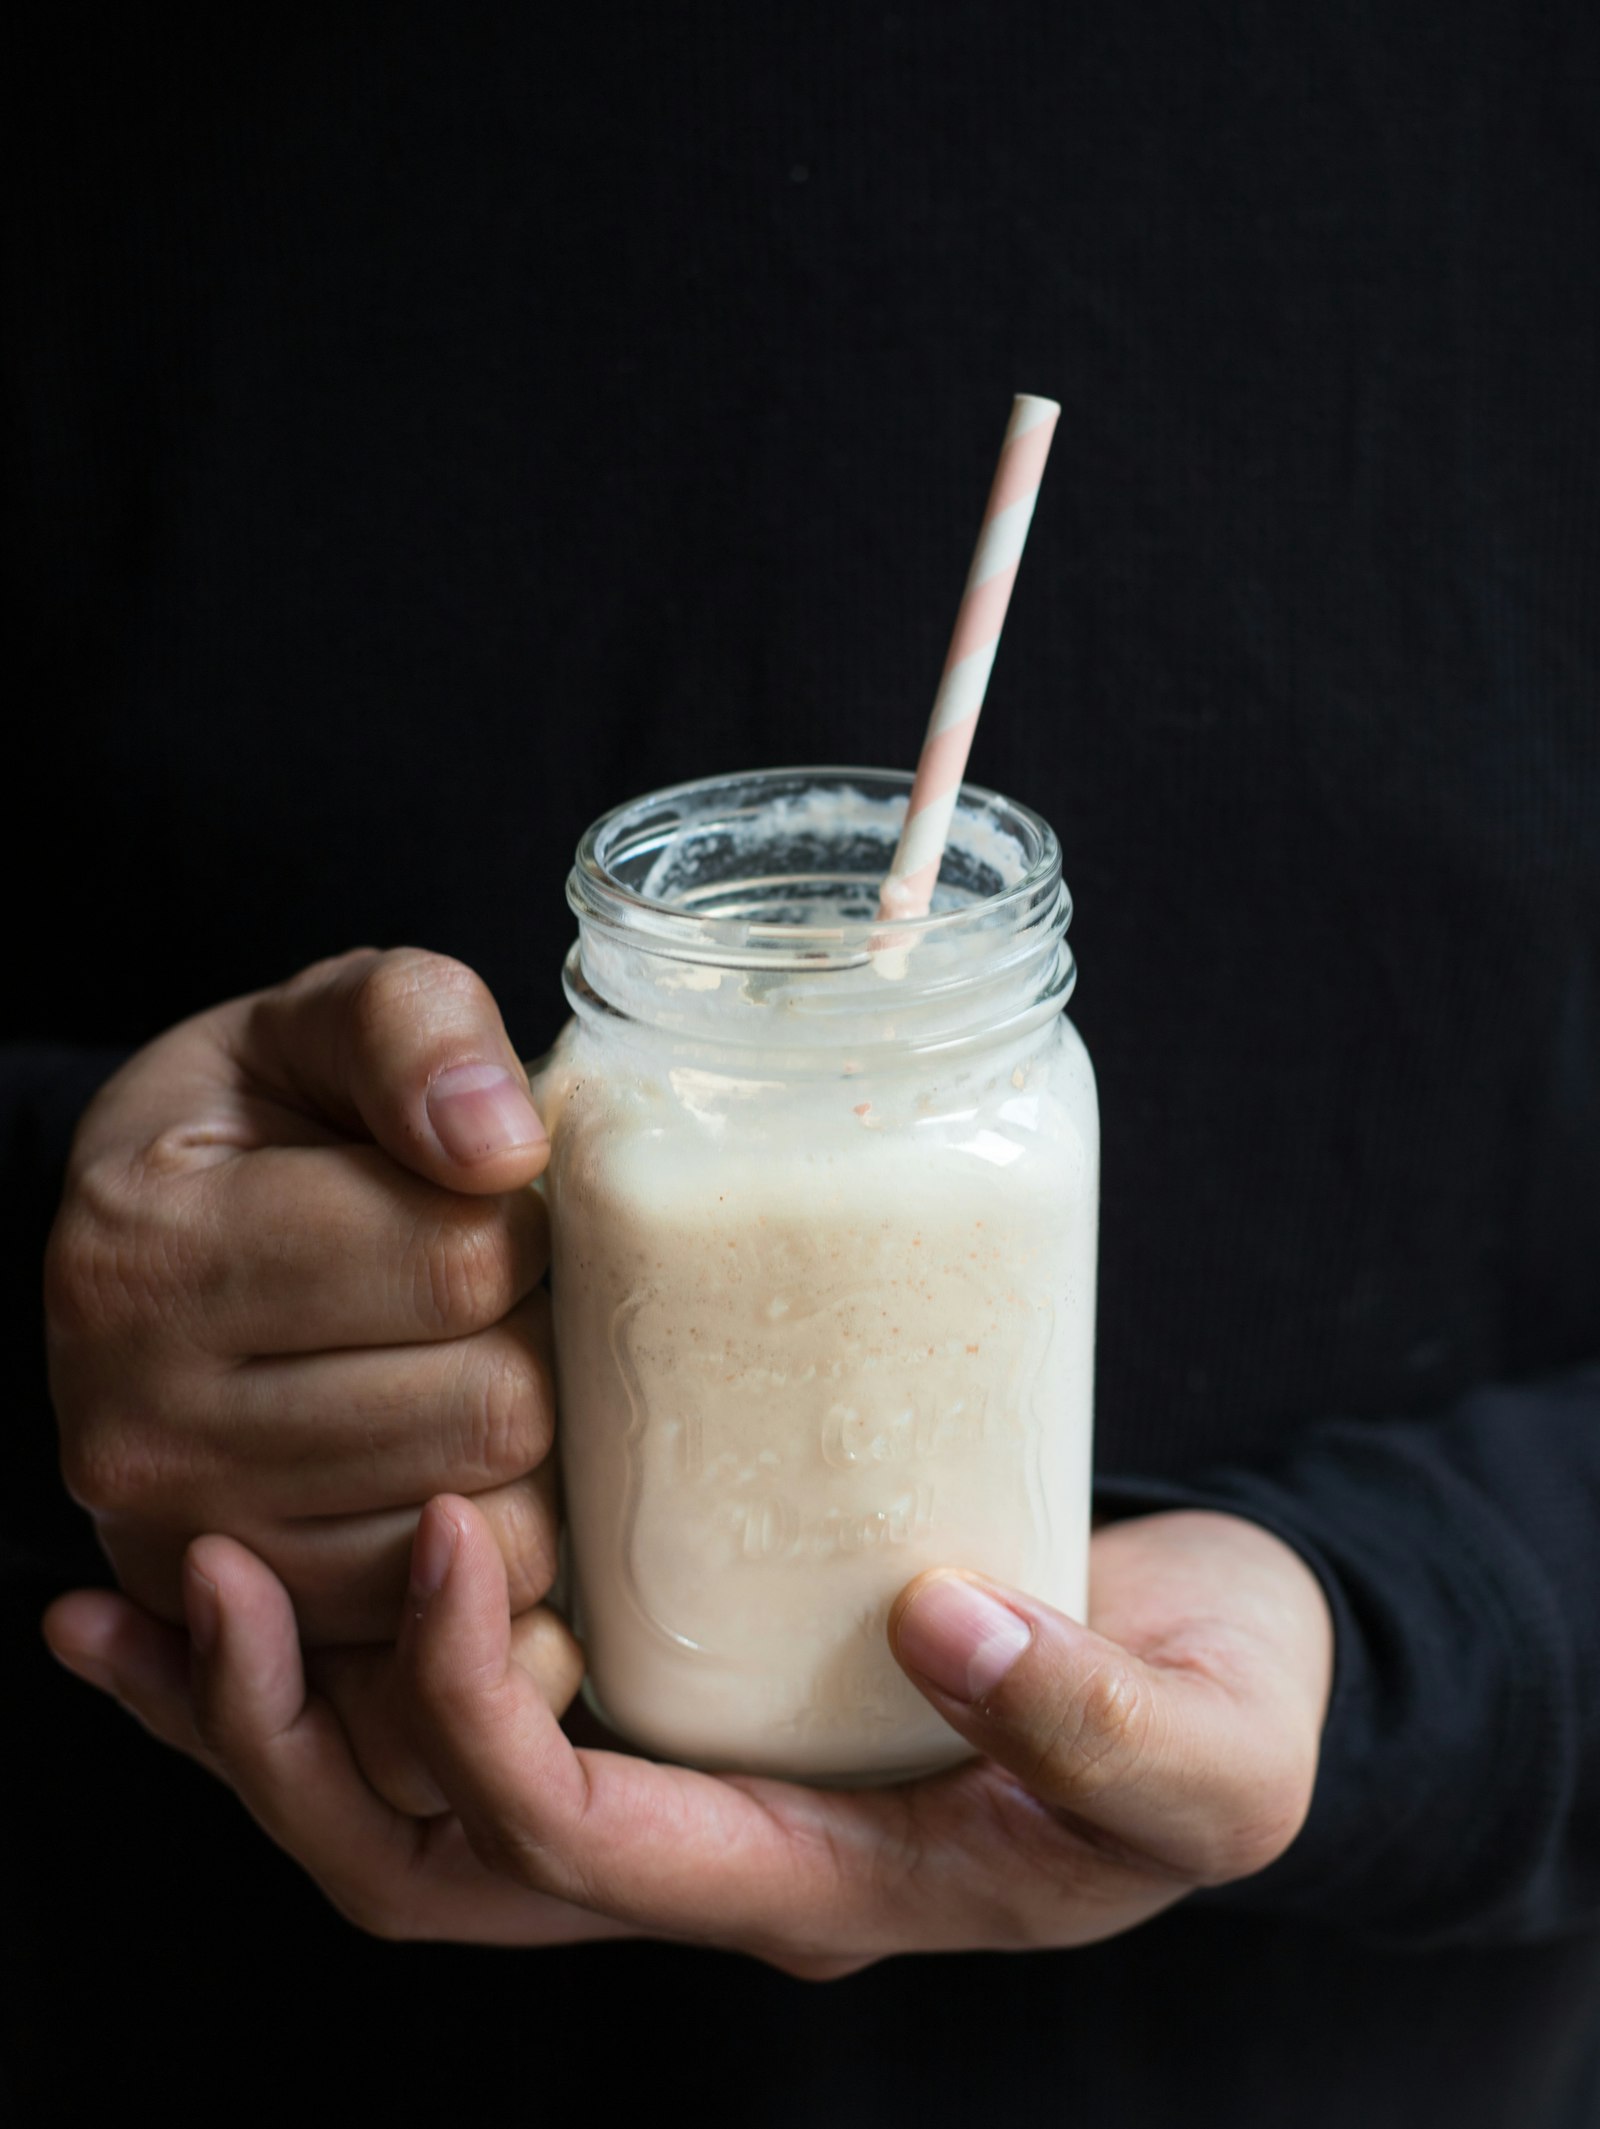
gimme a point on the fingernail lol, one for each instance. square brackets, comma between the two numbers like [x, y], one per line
[480, 1110]
[431, 1554]
[959, 1638]
[200, 1609]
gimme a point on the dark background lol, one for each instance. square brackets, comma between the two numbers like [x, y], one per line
[426, 428]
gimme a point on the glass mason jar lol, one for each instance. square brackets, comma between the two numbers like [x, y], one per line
[824, 1197]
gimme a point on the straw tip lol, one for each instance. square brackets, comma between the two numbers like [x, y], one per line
[1037, 406]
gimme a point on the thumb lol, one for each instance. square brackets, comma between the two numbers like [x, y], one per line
[1144, 1755]
[408, 1048]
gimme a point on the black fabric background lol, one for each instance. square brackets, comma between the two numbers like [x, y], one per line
[424, 429]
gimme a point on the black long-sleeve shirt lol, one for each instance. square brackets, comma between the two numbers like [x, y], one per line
[425, 428]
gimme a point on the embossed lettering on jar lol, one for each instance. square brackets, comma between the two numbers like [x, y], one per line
[824, 1200]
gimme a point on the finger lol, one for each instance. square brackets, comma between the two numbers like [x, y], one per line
[408, 1047]
[1149, 1758]
[394, 1877]
[114, 1646]
[347, 1574]
[296, 1249]
[283, 1751]
[672, 1852]
[346, 1433]
[547, 1649]
[364, 1690]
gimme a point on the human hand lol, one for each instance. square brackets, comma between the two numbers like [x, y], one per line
[1171, 1745]
[292, 1292]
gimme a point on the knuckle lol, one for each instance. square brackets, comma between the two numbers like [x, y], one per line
[95, 1279]
[524, 1527]
[73, 1277]
[124, 1261]
[398, 990]
[317, 974]
[83, 1470]
[465, 1280]
[113, 1468]
[505, 1426]
[548, 1651]
[384, 991]
[1098, 1737]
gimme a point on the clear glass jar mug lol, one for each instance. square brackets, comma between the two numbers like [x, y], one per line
[824, 1200]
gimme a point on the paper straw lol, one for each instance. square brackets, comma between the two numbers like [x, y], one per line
[908, 889]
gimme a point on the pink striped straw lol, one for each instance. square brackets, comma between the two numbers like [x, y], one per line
[908, 890]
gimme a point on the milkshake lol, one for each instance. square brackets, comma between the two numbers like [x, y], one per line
[824, 1215]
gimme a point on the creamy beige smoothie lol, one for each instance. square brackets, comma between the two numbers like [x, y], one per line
[824, 1306]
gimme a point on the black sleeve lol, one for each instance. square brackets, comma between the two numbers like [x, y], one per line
[1458, 1798]
[44, 1089]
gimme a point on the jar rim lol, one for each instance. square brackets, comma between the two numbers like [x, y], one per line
[654, 819]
